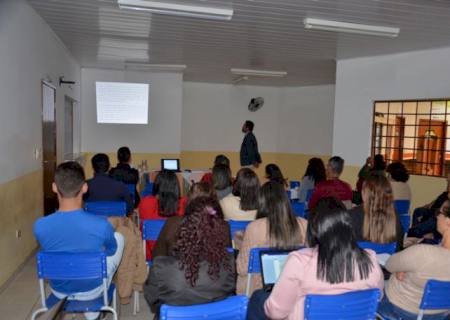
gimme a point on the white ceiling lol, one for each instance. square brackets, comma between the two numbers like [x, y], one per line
[263, 34]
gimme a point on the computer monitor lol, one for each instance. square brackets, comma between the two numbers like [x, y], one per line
[170, 164]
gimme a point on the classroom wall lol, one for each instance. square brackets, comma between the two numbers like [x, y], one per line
[29, 52]
[162, 135]
[293, 125]
[359, 82]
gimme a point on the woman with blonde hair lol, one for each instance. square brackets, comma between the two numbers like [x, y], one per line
[376, 220]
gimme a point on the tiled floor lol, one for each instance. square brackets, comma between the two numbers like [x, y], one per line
[21, 298]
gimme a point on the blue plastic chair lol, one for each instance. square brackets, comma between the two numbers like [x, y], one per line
[402, 206]
[379, 248]
[435, 297]
[405, 220]
[254, 266]
[107, 208]
[148, 190]
[150, 231]
[355, 305]
[72, 267]
[298, 208]
[237, 226]
[309, 194]
[234, 307]
[294, 184]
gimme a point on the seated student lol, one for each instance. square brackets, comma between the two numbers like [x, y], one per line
[315, 173]
[424, 218]
[398, 177]
[104, 188]
[333, 187]
[198, 268]
[242, 203]
[376, 220]
[70, 229]
[334, 264]
[364, 173]
[222, 180]
[165, 201]
[167, 237]
[219, 160]
[411, 269]
[273, 173]
[275, 226]
[124, 173]
[378, 166]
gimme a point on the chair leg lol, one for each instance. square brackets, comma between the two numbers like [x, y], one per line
[38, 312]
[249, 283]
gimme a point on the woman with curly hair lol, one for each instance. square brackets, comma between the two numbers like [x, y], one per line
[199, 268]
[376, 220]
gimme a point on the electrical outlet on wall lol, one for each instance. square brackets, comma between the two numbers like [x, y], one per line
[18, 234]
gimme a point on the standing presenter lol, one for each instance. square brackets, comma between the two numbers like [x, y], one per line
[250, 156]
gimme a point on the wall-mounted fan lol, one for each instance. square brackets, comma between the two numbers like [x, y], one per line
[255, 104]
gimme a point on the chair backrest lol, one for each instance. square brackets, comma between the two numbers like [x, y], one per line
[107, 208]
[148, 189]
[405, 220]
[132, 189]
[379, 248]
[309, 194]
[298, 208]
[294, 184]
[71, 266]
[254, 263]
[402, 206]
[237, 226]
[152, 228]
[436, 295]
[234, 307]
[352, 305]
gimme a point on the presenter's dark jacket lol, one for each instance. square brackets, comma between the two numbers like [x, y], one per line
[166, 284]
[249, 150]
[124, 173]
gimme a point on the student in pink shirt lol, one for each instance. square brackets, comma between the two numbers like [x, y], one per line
[333, 264]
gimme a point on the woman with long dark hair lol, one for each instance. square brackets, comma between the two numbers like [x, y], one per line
[315, 173]
[165, 200]
[376, 220]
[275, 226]
[243, 202]
[398, 177]
[333, 264]
[222, 180]
[273, 173]
[199, 268]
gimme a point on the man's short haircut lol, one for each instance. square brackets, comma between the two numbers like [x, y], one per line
[222, 159]
[123, 154]
[100, 163]
[250, 125]
[69, 178]
[337, 164]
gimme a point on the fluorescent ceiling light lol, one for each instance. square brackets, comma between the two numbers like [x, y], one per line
[258, 73]
[174, 9]
[328, 25]
[154, 67]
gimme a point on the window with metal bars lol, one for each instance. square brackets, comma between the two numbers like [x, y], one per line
[413, 132]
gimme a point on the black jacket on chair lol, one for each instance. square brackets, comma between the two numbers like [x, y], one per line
[249, 150]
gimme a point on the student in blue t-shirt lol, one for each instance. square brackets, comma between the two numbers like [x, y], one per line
[71, 229]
